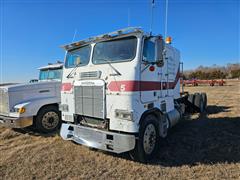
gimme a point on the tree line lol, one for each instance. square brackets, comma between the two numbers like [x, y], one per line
[230, 71]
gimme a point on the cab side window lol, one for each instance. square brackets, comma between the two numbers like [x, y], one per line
[149, 50]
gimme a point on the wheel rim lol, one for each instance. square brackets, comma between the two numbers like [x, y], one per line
[149, 139]
[50, 120]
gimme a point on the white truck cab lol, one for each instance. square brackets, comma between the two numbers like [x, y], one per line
[34, 103]
[121, 92]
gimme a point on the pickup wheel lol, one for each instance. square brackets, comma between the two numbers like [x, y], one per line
[147, 143]
[48, 119]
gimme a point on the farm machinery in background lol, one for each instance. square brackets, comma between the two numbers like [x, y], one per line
[34, 103]
[196, 82]
[121, 92]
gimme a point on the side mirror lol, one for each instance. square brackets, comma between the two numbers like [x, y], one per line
[159, 52]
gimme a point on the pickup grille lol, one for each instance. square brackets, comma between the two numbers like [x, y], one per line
[4, 102]
[90, 101]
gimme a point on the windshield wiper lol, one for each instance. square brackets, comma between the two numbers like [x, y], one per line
[109, 63]
[72, 71]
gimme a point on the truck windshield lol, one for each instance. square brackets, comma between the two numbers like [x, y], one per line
[48, 74]
[118, 50]
[79, 56]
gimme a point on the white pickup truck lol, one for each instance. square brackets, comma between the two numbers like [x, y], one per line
[36, 103]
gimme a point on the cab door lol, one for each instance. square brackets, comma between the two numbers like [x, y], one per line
[150, 73]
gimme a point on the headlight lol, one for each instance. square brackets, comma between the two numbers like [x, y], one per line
[20, 110]
[124, 114]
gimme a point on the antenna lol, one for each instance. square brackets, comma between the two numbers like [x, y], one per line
[1, 40]
[166, 19]
[75, 32]
[151, 23]
[129, 16]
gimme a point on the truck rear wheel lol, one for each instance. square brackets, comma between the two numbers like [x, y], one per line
[190, 99]
[198, 102]
[147, 143]
[48, 119]
[204, 97]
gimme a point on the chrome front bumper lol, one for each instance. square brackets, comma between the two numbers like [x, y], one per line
[14, 122]
[99, 139]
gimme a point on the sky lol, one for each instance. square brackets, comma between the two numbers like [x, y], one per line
[206, 32]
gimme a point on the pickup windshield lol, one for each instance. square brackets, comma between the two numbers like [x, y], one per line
[49, 74]
[118, 50]
[79, 56]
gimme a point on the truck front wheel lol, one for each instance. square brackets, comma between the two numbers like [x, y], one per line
[147, 143]
[48, 119]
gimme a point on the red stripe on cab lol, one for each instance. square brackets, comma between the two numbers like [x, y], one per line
[129, 86]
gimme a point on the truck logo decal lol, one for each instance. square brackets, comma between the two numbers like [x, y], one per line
[129, 86]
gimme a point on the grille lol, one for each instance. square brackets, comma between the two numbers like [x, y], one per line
[89, 101]
[4, 106]
[90, 75]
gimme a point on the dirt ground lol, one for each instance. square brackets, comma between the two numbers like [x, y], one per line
[206, 147]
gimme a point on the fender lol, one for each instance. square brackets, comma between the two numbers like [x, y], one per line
[33, 106]
[162, 120]
[155, 111]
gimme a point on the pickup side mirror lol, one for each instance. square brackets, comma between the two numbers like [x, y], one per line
[159, 52]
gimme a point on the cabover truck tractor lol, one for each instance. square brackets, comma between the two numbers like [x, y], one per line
[121, 92]
[34, 103]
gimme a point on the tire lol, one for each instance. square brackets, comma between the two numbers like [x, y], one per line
[189, 107]
[147, 143]
[48, 119]
[191, 98]
[204, 97]
[198, 102]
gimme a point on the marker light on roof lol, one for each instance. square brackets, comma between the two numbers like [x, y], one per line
[168, 40]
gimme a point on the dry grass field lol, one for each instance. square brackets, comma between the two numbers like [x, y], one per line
[202, 147]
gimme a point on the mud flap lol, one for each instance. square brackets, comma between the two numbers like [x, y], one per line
[163, 126]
